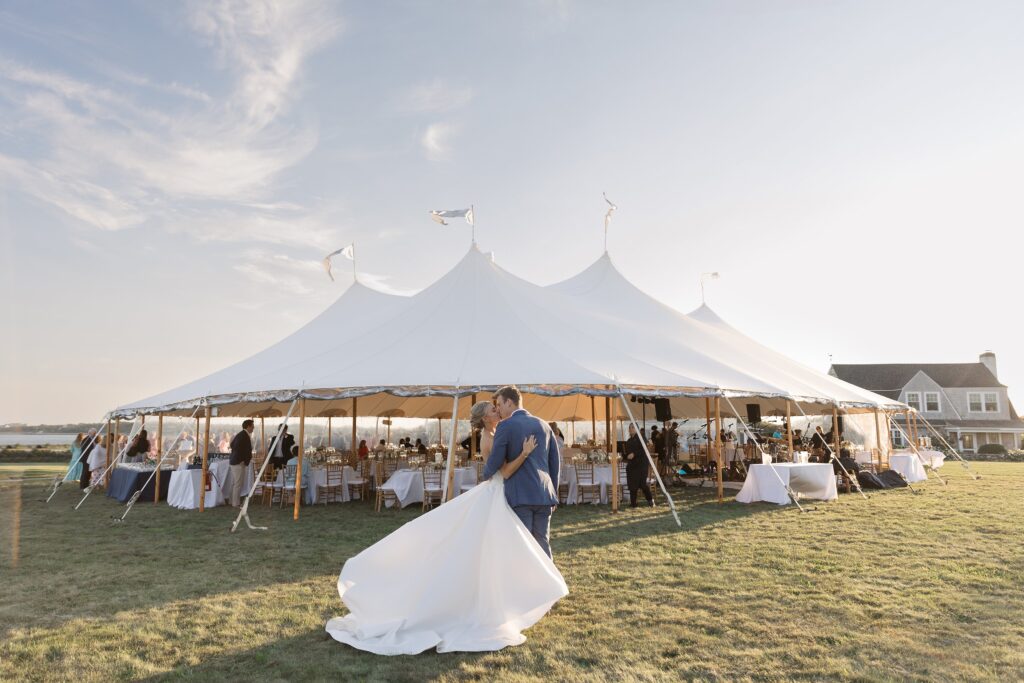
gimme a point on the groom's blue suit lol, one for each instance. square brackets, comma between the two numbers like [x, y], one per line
[532, 491]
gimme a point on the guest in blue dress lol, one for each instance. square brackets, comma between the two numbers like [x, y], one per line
[75, 471]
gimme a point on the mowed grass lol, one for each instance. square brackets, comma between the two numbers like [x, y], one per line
[897, 587]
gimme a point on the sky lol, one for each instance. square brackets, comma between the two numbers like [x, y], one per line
[171, 174]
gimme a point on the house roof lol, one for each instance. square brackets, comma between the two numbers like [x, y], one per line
[888, 379]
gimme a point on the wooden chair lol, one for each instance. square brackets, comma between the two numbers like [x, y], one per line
[383, 494]
[479, 465]
[586, 488]
[265, 485]
[360, 484]
[288, 486]
[332, 487]
[623, 486]
[432, 491]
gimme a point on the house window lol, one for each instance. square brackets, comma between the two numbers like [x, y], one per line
[991, 403]
[914, 400]
[987, 402]
[931, 402]
[897, 438]
[967, 442]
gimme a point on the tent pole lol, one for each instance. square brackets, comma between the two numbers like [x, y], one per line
[263, 439]
[789, 430]
[718, 447]
[117, 436]
[302, 451]
[328, 431]
[472, 432]
[449, 475]
[607, 425]
[835, 429]
[707, 432]
[878, 440]
[206, 461]
[613, 457]
[159, 456]
[355, 451]
[593, 421]
[650, 460]
[389, 431]
[574, 432]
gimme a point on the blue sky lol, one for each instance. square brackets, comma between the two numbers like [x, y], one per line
[171, 173]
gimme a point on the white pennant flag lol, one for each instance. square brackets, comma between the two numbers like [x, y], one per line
[438, 216]
[348, 252]
[611, 210]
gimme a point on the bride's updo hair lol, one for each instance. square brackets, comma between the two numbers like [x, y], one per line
[476, 414]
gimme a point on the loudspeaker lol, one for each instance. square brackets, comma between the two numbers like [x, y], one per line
[753, 413]
[840, 423]
[662, 410]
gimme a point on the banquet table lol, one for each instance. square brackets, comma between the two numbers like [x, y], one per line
[316, 475]
[811, 480]
[602, 476]
[909, 465]
[933, 459]
[125, 480]
[408, 484]
[185, 485]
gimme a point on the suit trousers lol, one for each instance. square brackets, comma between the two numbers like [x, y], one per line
[637, 480]
[85, 477]
[537, 519]
[237, 479]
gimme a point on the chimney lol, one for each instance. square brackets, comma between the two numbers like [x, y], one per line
[988, 359]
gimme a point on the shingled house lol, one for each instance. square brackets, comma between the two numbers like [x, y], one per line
[965, 401]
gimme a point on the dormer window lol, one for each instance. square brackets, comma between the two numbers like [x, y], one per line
[914, 399]
[983, 402]
[931, 402]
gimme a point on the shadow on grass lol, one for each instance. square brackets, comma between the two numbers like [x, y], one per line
[314, 655]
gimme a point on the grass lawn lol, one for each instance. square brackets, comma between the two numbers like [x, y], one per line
[897, 587]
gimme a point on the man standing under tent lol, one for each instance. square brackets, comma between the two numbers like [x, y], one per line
[241, 455]
[530, 491]
[87, 446]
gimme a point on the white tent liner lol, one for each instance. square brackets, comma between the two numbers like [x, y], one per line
[480, 327]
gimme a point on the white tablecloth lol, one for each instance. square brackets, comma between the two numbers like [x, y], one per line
[909, 465]
[933, 459]
[812, 480]
[863, 457]
[408, 484]
[602, 476]
[183, 491]
[317, 476]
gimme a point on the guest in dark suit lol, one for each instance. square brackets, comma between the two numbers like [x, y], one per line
[279, 456]
[819, 444]
[421, 448]
[241, 455]
[637, 469]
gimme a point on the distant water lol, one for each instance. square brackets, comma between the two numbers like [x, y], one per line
[9, 439]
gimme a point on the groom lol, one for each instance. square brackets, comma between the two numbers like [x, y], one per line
[531, 492]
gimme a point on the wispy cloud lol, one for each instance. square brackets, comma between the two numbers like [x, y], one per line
[280, 271]
[434, 97]
[205, 164]
[437, 140]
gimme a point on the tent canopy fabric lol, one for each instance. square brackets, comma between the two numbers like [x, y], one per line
[480, 327]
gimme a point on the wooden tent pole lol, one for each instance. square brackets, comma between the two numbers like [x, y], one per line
[878, 441]
[607, 425]
[574, 432]
[789, 431]
[262, 450]
[835, 431]
[472, 433]
[355, 445]
[707, 430]
[614, 456]
[328, 431]
[718, 447]
[159, 456]
[450, 474]
[206, 461]
[593, 420]
[302, 451]
[388, 442]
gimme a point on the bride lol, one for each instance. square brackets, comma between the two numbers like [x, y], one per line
[467, 576]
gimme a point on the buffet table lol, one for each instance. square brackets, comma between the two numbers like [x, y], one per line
[812, 480]
[185, 486]
[909, 465]
[125, 480]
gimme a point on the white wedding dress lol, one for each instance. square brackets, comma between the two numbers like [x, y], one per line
[467, 576]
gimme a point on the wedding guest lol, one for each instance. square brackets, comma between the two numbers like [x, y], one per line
[672, 442]
[819, 444]
[75, 466]
[637, 469]
[241, 455]
[187, 442]
[90, 442]
[364, 452]
[224, 445]
[421, 448]
[97, 460]
[380, 447]
[798, 439]
[283, 446]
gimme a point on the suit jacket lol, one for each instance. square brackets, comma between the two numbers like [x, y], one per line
[535, 481]
[638, 465]
[241, 449]
[287, 441]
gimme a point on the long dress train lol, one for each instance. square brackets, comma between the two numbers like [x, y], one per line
[467, 576]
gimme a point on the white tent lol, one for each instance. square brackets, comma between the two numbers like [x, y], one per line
[480, 327]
